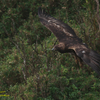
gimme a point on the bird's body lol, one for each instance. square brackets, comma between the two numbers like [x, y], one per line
[69, 42]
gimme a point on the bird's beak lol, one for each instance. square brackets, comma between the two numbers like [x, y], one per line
[53, 48]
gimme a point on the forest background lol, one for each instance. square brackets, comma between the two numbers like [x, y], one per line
[29, 69]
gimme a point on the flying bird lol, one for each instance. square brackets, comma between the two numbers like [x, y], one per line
[68, 41]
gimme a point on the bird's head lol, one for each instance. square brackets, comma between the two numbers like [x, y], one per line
[60, 47]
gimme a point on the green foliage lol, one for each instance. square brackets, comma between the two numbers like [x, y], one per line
[28, 68]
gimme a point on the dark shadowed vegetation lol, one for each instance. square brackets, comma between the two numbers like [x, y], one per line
[29, 70]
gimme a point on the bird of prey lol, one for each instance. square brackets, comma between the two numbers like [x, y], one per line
[68, 41]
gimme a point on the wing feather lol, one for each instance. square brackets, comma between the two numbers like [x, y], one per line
[60, 29]
[90, 57]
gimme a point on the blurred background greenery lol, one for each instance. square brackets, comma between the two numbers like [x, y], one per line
[29, 70]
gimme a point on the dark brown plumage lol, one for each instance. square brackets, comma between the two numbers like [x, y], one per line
[69, 42]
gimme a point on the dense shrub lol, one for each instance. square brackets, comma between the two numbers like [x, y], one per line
[29, 70]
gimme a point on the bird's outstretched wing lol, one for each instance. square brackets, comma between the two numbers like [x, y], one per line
[89, 56]
[60, 29]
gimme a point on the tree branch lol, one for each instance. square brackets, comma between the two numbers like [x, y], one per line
[97, 14]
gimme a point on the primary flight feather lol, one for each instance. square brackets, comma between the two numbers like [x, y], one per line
[68, 41]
